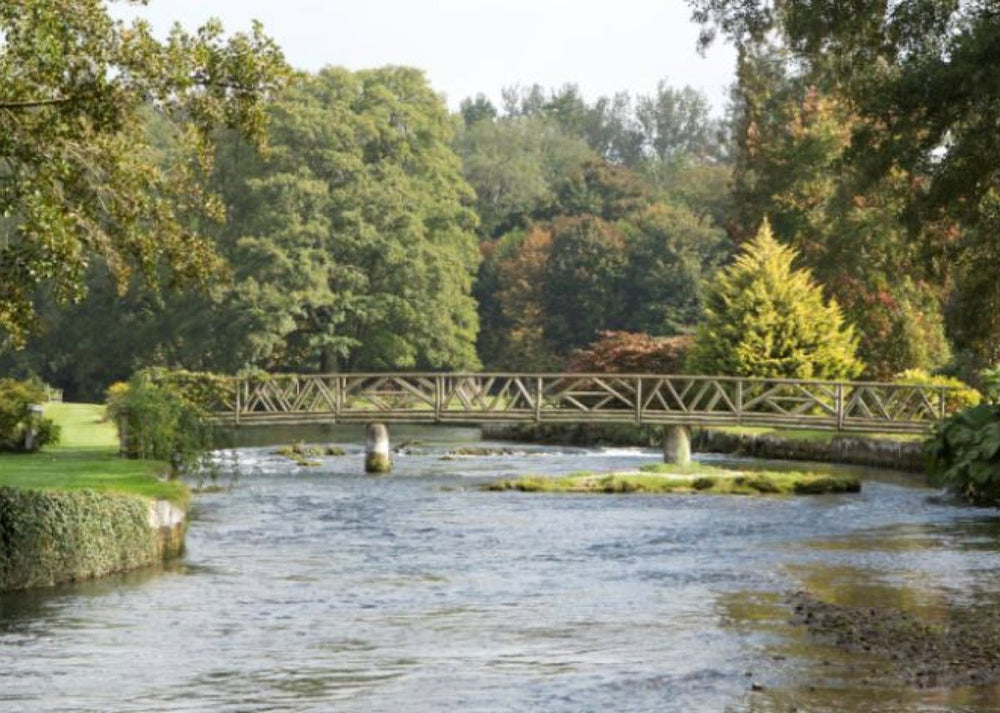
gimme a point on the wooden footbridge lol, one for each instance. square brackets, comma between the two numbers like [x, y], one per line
[581, 398]
[675, 402]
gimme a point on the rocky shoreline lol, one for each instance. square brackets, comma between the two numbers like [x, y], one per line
[963, 651]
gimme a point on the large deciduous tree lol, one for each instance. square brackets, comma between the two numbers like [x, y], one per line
[354, 238]
[78, 180]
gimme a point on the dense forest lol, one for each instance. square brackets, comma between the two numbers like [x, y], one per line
[357, 224]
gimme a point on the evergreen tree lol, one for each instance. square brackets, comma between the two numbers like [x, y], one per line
[763, 318]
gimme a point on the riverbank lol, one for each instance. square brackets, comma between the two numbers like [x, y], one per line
[962, 650]
[894, 451]
[76, 511]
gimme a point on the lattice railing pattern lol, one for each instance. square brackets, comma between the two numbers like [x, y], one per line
[644, 398]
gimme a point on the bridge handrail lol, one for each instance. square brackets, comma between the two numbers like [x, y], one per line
[437, 396]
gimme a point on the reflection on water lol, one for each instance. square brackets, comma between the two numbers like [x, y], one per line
[324, 589]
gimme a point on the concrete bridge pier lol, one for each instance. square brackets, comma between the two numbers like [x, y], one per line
[677, 445]
[377, 458]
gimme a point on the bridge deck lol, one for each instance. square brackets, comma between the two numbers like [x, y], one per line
[581, 398]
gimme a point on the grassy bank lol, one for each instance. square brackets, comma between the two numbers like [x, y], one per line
[694, 478]
[86, 459]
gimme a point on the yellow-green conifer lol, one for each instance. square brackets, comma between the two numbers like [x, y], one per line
[763, 318]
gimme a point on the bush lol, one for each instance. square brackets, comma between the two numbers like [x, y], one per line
[960, 396]
[208, 392]
[16, 418]
[990, 378]
[634, 352]
[964, 451]
[157, 421]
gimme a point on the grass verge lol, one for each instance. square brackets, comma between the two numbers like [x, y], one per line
[87, 459]
[693, 478]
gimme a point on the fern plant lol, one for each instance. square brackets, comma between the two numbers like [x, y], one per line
[964, 451]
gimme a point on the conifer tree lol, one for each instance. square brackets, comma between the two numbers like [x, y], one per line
[763, 318]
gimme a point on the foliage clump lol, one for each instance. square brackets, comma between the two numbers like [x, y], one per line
[959, 395]
[157, 420]
[305, 455]
[762, 318]
[663, 478]
[620, 351]
[964, 451]
[16, 418]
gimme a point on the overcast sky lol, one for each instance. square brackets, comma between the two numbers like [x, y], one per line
[470, 46]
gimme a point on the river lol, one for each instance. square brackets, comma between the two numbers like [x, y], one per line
[322, 589]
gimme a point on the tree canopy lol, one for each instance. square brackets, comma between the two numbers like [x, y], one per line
[354, 238]
[78, 178]
[916, 82]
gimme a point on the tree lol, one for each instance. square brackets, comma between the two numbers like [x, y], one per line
[518, 339]
[669, 252]
[353, 238]
[476, 110]
[676, 123]
[763, 318]
[669, 126]
[582, 287]
[79, 181]
[918, 77]
[515, 166]
[793, 164]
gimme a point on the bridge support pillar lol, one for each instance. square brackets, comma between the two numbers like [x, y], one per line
[676, 445]
[377, 458]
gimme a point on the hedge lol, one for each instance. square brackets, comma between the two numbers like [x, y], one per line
[50, 537]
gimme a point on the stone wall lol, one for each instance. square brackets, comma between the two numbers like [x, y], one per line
[854, 450]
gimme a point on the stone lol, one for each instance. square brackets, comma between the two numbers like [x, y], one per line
[676, 445]
[377, 458]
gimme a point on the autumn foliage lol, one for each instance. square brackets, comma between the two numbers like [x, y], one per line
[632, 352]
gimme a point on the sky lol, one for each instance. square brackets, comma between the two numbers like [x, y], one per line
[481, 46]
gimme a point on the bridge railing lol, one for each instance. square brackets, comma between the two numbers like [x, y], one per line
[554, 398]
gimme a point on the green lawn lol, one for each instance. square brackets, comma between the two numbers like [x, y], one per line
[86, 458]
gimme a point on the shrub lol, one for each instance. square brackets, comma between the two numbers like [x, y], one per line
[16, 418]
[209, 392]
[964, 451]
[764, 319]
[960, 395]
[157, 422]
[635, 352]
[990, 378]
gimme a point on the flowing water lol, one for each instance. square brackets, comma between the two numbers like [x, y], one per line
[322, 589]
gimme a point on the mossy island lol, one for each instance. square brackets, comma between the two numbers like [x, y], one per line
[665, 478]
[306, 455]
